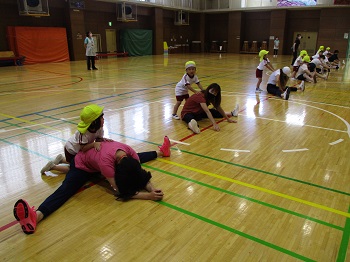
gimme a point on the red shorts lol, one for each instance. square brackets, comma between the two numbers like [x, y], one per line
[181, 98]
[258, 73]
[295, 68]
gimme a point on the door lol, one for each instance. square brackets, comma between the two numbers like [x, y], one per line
[308, 42]
[97, 40]
[111, 39]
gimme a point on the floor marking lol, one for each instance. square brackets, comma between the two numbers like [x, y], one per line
[305, 202]
[235, 150]
[336, 142]
[283, 121]
[179, 142]
[29, 122]
[295, 150]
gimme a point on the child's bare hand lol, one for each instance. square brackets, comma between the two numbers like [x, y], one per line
[230, 120]
[216, 127]
[97, 146]
[156, 195]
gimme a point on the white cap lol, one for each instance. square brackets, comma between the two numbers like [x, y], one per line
[286, 71]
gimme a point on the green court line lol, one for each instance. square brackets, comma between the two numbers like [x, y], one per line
[344, 241]
[235, 231]
[245, 167]
[247, 198]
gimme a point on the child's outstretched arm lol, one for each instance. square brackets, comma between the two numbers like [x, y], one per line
[191, 88]
[200, 86]
[270, 66]
[96, 145]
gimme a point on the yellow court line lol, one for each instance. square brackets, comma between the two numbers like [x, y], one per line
[258, 188]
[28, 122]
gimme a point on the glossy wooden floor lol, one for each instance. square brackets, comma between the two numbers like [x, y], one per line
[273, 187]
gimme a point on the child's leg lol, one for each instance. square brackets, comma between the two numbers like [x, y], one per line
[176, 107]
[258, 83]
[61, 169]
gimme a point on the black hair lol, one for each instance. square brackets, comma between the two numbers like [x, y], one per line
[322, 57]
[210, 98]
[336, 51]
[283, 79]
[130, 177]
[95, 125]
[87, 33]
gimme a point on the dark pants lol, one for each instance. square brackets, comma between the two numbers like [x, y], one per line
[275, 51]
[75, 179]
[295, 55]
[90, 61]
[189, 116]
[274, 90]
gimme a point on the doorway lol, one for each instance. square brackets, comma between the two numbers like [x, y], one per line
[111, 39]
[308, 42]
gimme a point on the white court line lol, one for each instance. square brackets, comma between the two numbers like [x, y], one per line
[235, 150]
[276, 120]
[336, 142]
[179, 142]
[295, 150]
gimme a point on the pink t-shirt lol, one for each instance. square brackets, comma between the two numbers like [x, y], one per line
[192, 104]
[104, 160]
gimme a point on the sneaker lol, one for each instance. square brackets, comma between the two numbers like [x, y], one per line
[286, 93]
[47, 167]
[194, 126]
[235, 111]
[94, 68]
[25, 215]
[58, 159]
[258, 90]
[165, 148]
[175, 116]
[302, 86]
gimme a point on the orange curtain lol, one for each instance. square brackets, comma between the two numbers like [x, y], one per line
[39, 44]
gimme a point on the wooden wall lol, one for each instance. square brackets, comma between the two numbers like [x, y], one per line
[234, 27]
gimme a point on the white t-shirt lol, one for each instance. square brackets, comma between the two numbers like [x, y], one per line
[273, 77]
[76, 141]
[298, 61]
[302, 69]
[263, 63]
[317, 62]
[181, 87]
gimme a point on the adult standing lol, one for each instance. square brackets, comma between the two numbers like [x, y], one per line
[296, 47]
[276, 45]
[90, 51]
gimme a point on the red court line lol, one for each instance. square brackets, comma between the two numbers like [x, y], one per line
[205, 128]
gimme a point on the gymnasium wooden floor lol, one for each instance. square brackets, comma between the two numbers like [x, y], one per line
[273, 187]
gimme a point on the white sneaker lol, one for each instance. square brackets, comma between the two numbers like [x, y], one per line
[194, 126]
[58, 159]
[258, 90]
[176, 117]
[286, 93]
[302, 85]
[235, 111]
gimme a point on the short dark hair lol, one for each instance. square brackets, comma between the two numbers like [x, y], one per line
[87, 33]
[130, 177]
[96, 125]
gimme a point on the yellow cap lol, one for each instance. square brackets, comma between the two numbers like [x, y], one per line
[303, 52]
[322, 47]
[88, 115]
[306, 59]
[190, 64]
[262, 53]
[328, 48]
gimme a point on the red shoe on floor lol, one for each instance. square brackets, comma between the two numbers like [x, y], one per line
[165, 148]
[25, 215]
